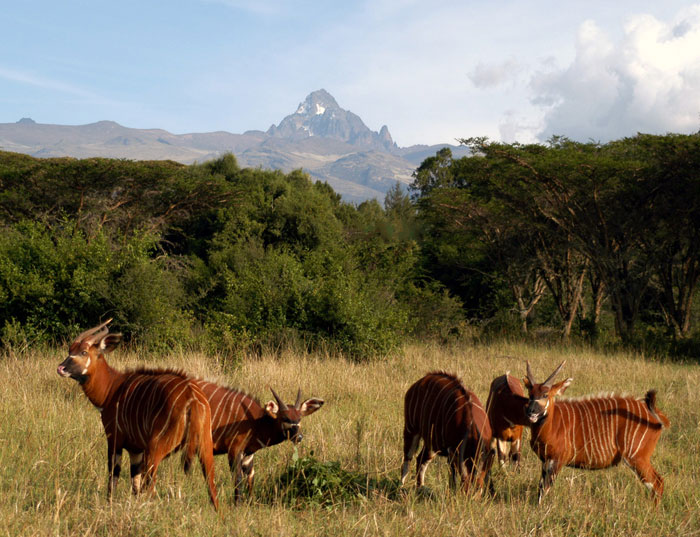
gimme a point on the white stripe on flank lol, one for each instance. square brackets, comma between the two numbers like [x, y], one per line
[565, 416]
[136, 399]
[604, 443]
[172, 405]
[219, 408]
[573, 430]
[597, 438]
[630, 445]
[583, 424]
[629, 432]
[614, 425]
[439, 399]
[424, 424]
[644, 433]
[598, 431]
[610, 431]
[149, 412]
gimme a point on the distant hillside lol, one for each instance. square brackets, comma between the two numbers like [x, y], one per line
[330, 143]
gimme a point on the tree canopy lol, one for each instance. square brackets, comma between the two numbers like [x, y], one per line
[587, 239]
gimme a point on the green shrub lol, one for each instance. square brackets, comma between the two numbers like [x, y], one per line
[308, 481]
[227, 259]
[55, 281]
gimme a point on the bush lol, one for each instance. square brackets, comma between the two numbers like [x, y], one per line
[210, 255]
[308, 481]
[55, 281]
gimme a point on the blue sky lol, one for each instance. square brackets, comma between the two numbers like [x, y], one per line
[431, 71]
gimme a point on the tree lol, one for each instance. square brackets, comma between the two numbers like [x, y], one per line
[591, 195]
[433, 172]
[672, 242]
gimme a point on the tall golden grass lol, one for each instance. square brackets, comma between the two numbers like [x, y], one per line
[53, 467]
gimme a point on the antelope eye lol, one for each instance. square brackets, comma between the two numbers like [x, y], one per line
[84, 353]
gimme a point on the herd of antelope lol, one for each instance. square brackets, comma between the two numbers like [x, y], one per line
[151, 413]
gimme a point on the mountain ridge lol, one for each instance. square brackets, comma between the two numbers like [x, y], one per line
[330, 143]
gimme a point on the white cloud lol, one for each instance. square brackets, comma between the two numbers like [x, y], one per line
[646, 81]
[517, 127]
[493, 75]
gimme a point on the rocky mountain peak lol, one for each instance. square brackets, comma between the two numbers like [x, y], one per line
[317, 103]
[385, 137]
[320, 115]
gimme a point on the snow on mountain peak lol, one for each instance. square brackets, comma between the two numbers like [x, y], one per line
[319, 115]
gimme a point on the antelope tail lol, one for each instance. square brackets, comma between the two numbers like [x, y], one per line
[650, 400]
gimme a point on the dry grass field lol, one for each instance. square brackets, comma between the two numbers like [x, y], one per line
[53, 467]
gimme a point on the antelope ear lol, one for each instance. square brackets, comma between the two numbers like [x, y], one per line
[109, 342]
[310, 406]
[561, 387]
[271, 408]
[514, 385]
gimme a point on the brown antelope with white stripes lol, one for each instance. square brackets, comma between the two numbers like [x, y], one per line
[593, 432]
[241, 426]
[148, 412]
[451, 422]
[505, 407]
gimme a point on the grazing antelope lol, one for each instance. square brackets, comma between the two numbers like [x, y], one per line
[505, 407]
[451, 422]
[149, 412]
[241, 426]
[594, 432]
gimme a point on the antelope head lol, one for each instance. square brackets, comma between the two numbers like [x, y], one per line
[86, 350]
[541, 396]
[287, 417]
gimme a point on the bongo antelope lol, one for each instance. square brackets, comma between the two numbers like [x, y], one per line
[505, 407]
[149, 412]
[451, 422]
[241, 426]
[593, 432]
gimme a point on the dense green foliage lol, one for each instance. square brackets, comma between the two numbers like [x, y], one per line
[587, 239]
[308, 481]
[569, 233]
[209, 256]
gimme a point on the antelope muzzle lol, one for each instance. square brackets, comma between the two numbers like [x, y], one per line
[536, 409]
[71, 368]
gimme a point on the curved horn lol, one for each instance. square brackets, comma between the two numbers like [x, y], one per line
[530, 376]
[549, 380]
[93, 331]
[280, 403]
[297, 404]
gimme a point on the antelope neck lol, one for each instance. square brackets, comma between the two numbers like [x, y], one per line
[102, 383]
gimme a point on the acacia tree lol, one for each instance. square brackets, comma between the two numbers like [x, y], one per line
[469, 211]
[672, 243]
[590, 196]
[514, 174]
[624, 215]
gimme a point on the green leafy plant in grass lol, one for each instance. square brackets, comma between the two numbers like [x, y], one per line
[308, 481]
